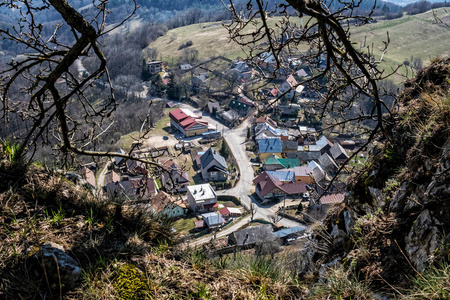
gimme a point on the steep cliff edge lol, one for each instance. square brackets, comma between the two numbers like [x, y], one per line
[396, 218]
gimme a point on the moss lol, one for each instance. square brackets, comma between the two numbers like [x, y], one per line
[130, 283]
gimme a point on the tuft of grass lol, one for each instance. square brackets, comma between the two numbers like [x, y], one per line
[434, 283]
[261, 269]
[12, 151]
[341, 284]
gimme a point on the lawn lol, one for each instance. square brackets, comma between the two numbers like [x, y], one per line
[184, 225]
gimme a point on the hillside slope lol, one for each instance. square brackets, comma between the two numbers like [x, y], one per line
[395, 222]
[419, 36]
[391, 237]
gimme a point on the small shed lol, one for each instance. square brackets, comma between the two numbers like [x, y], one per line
[230, 212]
[213, 220]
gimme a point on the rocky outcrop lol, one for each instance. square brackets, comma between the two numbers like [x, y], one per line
[397, 210]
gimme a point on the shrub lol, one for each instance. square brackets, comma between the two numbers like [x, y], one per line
[185, 45]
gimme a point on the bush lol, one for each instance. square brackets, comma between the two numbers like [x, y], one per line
[185, 45]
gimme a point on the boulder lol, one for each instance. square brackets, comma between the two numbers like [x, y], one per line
[57, 265]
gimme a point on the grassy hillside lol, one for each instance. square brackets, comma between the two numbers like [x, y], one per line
[209, 39]
[417, 35]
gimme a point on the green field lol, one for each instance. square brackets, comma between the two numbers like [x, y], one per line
[419, 36]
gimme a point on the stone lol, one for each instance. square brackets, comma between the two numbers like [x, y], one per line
[398, 197]
[57, 265]
[422, 240]
[348, 221]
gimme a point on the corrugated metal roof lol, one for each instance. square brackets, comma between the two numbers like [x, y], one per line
[269, 145]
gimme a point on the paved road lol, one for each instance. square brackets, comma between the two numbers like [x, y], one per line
[236, 138]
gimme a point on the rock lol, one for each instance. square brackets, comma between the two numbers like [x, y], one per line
[377, 197]
[348, 221]
[413, 202]
[58, 265]
[422, 240]
[398, 197]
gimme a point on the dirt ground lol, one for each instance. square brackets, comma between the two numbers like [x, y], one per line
[159, 141]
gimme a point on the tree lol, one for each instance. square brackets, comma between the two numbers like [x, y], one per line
[224, 150]
[252, 209]
[43, 86]
[341, 73]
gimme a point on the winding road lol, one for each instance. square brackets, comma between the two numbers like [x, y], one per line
[236, 138]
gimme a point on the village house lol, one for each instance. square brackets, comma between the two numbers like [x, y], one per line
[273, 163]
[301, 174]
[318, 173]
[231, 117]
[327, 201]
[167, 205]
[269, 146]
[338, 153]
[174, 175]
[202, 198]
[242, 104]
[213, 107]
[269, 187]
[304, 156]
[154, 67]
[88, 174]
[283, 175]
[328, 164]
[132, 188]
[213, 166]
[267, 120]
[290, 87]
[187, 122]
[199, 80]
[322, 145]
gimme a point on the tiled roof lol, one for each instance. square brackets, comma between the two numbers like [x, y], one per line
[266, 119]
[333, 198]
[253, 235]
[267, 183]
[291, 81]
[162, 200]
[326, 161]
[288, 231]
[230, 210]
[212, 219]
